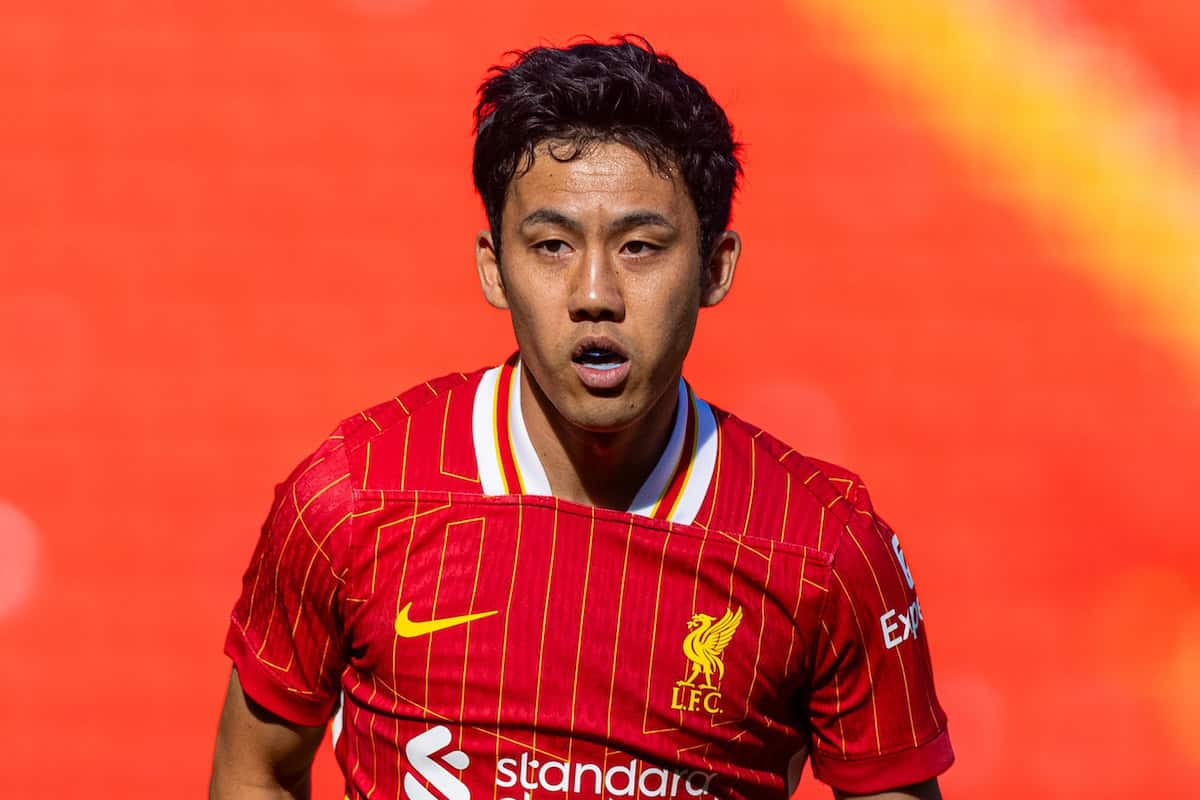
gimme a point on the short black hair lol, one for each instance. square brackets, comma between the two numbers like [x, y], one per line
[588, 93]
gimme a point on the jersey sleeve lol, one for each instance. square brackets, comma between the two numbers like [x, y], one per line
[284, 636]
[875, 720]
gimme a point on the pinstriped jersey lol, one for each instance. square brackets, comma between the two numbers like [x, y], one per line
[480, 638]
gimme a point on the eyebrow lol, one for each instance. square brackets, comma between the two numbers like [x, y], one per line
[637, 219]
[634, 219]
[548, 216]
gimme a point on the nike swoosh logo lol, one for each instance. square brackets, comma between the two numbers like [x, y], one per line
[409, 628]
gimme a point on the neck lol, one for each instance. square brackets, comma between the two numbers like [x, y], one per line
[604, 469]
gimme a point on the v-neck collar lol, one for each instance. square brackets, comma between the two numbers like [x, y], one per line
[508, 463]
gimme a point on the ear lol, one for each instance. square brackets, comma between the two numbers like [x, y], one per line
[487, 262]
[718, 272]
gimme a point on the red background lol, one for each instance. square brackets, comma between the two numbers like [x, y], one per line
[225, 226]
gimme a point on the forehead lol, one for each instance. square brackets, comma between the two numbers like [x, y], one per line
[605, 179]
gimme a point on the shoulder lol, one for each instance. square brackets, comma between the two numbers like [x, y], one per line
[380, 420]
[803, 499]
[420, 438]
[400, 443]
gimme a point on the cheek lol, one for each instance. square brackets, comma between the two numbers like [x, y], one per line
[672, 318]
[680, 301]
[684, 327]
[533, 314]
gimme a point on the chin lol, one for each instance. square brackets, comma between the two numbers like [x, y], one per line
[602, 414]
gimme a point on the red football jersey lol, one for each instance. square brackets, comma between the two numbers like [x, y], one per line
[487, 640]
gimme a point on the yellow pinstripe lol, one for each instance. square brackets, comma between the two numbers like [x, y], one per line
[462, 703]
[866, 660]
[270, 526]
[370, 419]
[837, 690]
[716, 486]
[787, 500]
[437, 587]
[279, 563]
[366, 465]
[399, 587]
[587, 575]
[537, 698]
[796, 610]
[404, 456]
[442, 444]
[512, 585]
[612, 678]
[899, 658]
[662, 563]
[762, 626]
[371, 735]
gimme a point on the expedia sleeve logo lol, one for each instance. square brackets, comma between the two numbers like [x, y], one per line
[703, 647]
[587, 779]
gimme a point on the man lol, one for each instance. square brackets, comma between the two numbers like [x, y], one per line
[569, 575]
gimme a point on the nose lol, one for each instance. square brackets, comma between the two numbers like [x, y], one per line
[596, 293]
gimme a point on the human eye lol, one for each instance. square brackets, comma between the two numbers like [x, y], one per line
[555, 248]
[640, 249]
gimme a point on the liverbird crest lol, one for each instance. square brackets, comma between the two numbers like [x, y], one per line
[703, 646]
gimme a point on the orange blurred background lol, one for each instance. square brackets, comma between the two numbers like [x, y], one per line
[225, 226]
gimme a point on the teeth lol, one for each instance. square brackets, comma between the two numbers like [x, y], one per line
[599, 358]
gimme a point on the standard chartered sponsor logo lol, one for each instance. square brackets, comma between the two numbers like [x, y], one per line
[428, 758]
[584, 778]
[420, 751]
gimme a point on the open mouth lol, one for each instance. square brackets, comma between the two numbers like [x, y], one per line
[600, 358]
[600, 363]
[600, 354]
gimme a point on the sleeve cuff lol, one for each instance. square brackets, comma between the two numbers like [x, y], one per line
[890, 771]
[264, 689]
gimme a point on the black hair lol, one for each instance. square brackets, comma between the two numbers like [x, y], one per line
[587, 93]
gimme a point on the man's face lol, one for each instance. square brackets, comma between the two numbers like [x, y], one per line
[601, 272]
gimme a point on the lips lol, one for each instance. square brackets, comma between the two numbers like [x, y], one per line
[600, 362]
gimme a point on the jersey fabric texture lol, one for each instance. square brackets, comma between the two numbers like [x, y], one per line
[480, 638]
